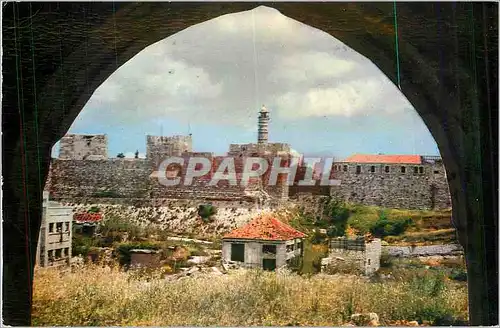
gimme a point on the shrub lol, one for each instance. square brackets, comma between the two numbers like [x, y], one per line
[94, 209]
[206, 211]
[337, 214]
[458, 274]
[81, 245]
[386, 260]
[113, 228]
[383, 227]
[317, 238]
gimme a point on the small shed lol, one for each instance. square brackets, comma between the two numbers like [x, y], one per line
[144, 258]
[265, 242]
[362, 251]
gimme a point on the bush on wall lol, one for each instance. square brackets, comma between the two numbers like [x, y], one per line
[206, 211]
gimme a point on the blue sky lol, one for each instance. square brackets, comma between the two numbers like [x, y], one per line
[211, 80]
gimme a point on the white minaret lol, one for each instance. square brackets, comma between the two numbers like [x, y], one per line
[263, 124]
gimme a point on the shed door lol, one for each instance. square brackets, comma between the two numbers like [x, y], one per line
[269, 264]
[238, 252]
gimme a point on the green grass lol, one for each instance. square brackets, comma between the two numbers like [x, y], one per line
[363, 218]
[426, 227]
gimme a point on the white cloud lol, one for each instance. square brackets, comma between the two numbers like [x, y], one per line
[359, 97]
[221, 71]
[310, 66]
[146, 87]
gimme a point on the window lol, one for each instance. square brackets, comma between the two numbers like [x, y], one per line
[67, 226]
[403, 169]
[415, 170]
[289, 248]
[421, 170]
[270, 249]
[58, 253]
[66, 251]
[387, 169]
[358, 169]
[345, 168]
[372, 169]
[368, 261]
[51, 254]
[59, 226]
[238, 252]
[436, 172]
[51, 227]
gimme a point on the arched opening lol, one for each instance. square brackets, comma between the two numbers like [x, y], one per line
[322, 98]
[419, 90]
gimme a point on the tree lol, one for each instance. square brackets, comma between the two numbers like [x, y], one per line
[338, 214]
[120, 155]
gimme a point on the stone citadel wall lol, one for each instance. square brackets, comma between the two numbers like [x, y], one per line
[389, 185]
[425, 188]
[84, 171]
[131, 178]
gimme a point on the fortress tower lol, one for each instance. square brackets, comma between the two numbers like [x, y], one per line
[160, 147]
[84, 147]
[263, 125]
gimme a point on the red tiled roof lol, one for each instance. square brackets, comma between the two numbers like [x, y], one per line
[87, 217]
[386, 159]
[265, 227]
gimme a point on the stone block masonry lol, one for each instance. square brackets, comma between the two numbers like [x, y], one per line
[365, 254]
[125, 178]
[159, 147]
[83, 170]
[407, 186]
[179, 216]
[83, 147]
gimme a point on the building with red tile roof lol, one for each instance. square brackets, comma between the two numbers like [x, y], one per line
[384, 159]
[392, 181]
[265, 242]
[266, 227]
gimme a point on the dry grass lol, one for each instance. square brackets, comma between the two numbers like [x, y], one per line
[100, 296]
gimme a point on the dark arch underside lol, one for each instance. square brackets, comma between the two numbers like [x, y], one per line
[56, 54]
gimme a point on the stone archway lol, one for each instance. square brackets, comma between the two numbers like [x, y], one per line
[57, 54]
